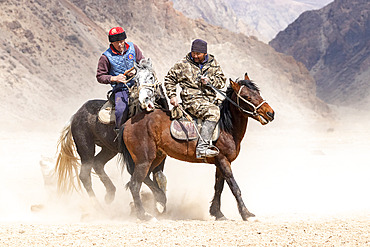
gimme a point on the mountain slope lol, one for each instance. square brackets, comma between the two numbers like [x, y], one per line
[50, 52]
[215, 12]
[263, 19]
[334, 44]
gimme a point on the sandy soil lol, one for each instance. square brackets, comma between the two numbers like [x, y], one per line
[310, 232]
[307, 183]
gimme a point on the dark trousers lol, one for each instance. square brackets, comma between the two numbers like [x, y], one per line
[121, 107]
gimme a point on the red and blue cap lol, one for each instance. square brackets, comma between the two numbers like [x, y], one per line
[116, 34]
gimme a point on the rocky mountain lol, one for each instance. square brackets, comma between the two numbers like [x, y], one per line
[334, 44]
[48, 56]
[215, 12]
[49, 53]
[263, 19]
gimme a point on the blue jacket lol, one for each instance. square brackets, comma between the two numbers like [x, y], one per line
[119, 64]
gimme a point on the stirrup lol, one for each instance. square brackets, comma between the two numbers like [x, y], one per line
[210, 151]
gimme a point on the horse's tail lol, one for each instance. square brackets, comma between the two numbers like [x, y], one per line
[67, 163]
[125, 155]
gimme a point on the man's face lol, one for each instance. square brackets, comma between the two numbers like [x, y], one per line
[119, 45]
[198, 57]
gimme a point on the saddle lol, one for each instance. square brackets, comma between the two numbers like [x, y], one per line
[183, 129]
[106, 113]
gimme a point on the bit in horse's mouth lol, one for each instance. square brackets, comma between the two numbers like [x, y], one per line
[151, 107]
[263, 120]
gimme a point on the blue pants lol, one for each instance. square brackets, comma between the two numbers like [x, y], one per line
[121, 107]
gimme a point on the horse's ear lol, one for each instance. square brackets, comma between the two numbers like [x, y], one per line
[234, 85]
[246, 77]
[149, 62]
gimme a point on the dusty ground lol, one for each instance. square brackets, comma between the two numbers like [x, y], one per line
[307, 183]
[266, 232]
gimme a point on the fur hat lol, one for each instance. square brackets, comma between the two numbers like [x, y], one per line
[199, 45]
[117, 34]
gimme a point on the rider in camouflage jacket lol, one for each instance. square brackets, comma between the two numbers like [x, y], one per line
[193, 73]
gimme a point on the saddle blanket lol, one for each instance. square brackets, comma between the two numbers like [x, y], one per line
[183, 129]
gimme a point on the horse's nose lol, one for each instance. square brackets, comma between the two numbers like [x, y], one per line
[271, 115]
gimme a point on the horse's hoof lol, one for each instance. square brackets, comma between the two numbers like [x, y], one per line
[146, 217]
[222, 218]
[160, 207]
[247, 215]
[154, 219]
[109, 198]
[251, 214]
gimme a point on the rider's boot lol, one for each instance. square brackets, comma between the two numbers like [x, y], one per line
[203, 149]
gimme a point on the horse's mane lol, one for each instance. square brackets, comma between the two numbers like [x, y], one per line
[145, 64]
[226, 123]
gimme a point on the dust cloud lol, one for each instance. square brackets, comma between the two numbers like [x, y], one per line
[297, 166]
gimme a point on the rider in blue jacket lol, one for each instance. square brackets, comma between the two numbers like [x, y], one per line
[112, 65]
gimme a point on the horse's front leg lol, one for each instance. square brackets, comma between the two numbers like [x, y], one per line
[215, 209]
[158, 184]
[225, 168]
[135, 183]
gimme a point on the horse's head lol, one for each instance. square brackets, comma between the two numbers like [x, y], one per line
[251, 102]
[144, 73]
[147, 98]
[146, 82]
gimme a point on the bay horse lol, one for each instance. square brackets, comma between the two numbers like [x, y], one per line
[85, 132]
[147, 140]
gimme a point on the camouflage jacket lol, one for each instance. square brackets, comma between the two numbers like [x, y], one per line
[187, 74]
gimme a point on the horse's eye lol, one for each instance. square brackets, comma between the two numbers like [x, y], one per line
[247, 97]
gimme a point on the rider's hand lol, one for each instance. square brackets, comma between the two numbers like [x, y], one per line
[204, 80]
[174, 101]
[131, 73]
[119, 78]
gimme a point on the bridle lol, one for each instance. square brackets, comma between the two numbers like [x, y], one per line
[255, 108]
[149, 85]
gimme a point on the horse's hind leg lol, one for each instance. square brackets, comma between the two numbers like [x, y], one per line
[159, 195]
[86, 149]
[99, 162]
[215, 209]
[139, 175]
[85, 175]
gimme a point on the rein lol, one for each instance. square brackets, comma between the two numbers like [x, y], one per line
[255, 108]
[133, 77]
[128, 79]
